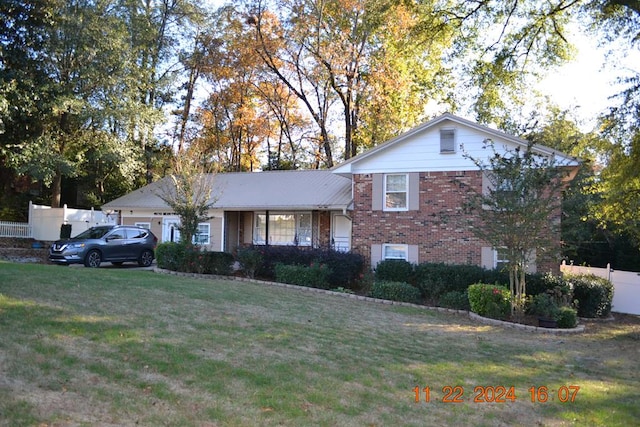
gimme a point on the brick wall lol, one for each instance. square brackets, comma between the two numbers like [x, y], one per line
[439, 228]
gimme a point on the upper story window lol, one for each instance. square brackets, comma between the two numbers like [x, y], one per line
[396, 190]
[447, 140]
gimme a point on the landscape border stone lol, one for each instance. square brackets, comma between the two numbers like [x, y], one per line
[471, 315]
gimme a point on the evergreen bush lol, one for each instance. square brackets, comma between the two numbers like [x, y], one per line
[395, 291]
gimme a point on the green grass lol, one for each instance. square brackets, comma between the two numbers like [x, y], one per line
[97, 347]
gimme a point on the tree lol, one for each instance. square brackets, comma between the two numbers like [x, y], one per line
[518, 210]
[188, 190]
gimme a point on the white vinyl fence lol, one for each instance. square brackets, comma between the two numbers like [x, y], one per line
[626, 284]
[15, 229]
[45, 222]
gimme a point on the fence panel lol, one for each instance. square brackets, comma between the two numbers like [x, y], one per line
[15, 229]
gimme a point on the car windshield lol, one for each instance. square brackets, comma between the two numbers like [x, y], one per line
[93, 233]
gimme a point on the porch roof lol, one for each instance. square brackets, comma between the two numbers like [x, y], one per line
[254, 191]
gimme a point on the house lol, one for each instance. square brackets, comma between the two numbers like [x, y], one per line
[399, 200]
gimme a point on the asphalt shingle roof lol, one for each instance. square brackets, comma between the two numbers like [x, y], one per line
[273, 190]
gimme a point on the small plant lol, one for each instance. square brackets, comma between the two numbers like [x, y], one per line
[395, 291]
[567, 318]
[492, 301]
[545, 307]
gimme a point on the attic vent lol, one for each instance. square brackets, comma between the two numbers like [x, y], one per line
[447, 140]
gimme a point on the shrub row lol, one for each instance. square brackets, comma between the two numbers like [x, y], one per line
[395, 291]
[436, 279]
[315, 275]
[191, 259]
[345, 268]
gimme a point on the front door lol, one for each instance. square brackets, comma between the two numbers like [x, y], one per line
[341, 233]
[170, 232]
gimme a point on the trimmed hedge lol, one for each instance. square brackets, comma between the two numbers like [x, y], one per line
[191, 259]
[594, 294]
[395, 291]
[490, 300]
[315, 276]
[395, 270]
[455, 299]
[346, 267]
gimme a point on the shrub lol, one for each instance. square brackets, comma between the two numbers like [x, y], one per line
[567, 317]
[455, 299]
[395, 291]
[435, 279]
[594, 294]
[394, 270]
[489, 300]
[191, 259]
[170, 256]
[544, 306]
[217, 263]
[250, 260]
[346, 267]
[314, 276]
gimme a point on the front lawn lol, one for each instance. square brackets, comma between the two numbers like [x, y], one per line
[121, 347]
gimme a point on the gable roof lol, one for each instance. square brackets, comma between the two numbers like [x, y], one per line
[271, 190]
[446, 120]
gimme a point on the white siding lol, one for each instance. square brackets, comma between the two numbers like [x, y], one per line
[421, 152]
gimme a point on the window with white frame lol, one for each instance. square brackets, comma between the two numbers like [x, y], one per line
[395, 251]
[285, 228]
[203, 234]
[146, 225]
[396, 192]
[447, 140]
[501, 258]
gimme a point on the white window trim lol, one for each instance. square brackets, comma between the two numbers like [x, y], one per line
[496, 259]
[296, 215]
[403, 246]
[207, 241]
[146, 225]
[384, 193]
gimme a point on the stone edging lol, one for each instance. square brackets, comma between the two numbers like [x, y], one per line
[473, 316]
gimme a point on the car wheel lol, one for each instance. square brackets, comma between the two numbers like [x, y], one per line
[93, 259]
[146, 258]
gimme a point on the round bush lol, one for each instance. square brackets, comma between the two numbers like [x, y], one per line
[567, 318]
[395, 291]
[490, 300]
[594, 294]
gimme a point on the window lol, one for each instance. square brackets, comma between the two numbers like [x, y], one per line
[284, 229]
[500, 258]
[447, 140]
[134, 233]
[146, 225]
[396, 192]
[391, 251]
[203, 234]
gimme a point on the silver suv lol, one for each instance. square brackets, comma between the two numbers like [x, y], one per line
[114, 243]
